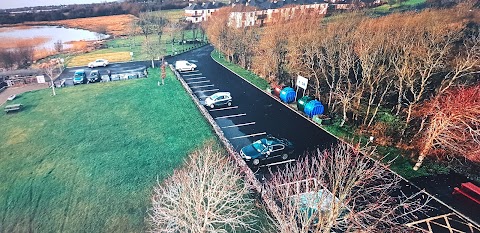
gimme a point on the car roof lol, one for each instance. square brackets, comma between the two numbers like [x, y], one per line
[221, 93]
[270, 140]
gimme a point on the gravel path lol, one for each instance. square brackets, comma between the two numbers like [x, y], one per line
[19, 90]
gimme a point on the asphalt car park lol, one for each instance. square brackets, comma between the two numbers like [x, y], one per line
[118, 71]
[254, 114]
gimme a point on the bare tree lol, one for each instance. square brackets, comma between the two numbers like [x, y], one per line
[173, 28]
[433, 44]
[341, 190]
[133, 30]
[206, 195]
[154, 50]
[466, 63]
[453, 124]
[49, 69]
[58, 45]
[145, 24]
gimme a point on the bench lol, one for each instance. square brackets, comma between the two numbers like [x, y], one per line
[13, 107]
[469, 190]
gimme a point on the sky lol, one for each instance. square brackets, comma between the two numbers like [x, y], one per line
[8, 4]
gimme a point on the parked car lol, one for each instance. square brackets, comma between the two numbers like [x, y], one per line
[267, 148]
[12, 97]
[94, 76]
[183, 65]
[105, 78]
[97, 63]
[132, 75]
[79, 77]
[219, 99]
[116, 77]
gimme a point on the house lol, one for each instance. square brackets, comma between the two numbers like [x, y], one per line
[198, 13]
[270, 12]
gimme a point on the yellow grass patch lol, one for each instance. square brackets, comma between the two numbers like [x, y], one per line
[114, 25]
[11, 42]
[84, 59]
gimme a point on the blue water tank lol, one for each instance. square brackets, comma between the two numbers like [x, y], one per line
[287, 95]
[313, 108]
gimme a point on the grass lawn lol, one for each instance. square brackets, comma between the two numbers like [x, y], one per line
[110, 55]
[86, 160]
[386, 8]
[248, 75]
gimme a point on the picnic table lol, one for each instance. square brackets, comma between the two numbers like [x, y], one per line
[469, 190]
[13, 107]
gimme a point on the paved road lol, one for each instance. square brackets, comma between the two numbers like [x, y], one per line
[115, 68]
[255, 114]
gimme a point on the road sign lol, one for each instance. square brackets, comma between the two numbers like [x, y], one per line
[302, 82]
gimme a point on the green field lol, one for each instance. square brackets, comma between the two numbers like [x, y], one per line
[134, 44]
[408, 4]
[86, 160]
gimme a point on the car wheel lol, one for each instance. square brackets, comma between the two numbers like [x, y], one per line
[256, 162]
[229, 104]
[104, 64]
[212, 106]
[285, 156]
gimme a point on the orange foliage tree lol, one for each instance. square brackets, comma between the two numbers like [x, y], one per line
[452, 124]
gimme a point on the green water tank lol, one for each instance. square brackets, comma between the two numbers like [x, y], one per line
[303, 101]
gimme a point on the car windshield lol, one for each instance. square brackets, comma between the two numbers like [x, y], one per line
[258, 145]
[214, 96]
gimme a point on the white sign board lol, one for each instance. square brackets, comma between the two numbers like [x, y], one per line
[40, 79]
[302, 82]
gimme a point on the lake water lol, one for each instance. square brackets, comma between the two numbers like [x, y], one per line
[8, 4]
[53, 33]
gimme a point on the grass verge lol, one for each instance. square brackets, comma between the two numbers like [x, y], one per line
[248, 75]
[86, 160]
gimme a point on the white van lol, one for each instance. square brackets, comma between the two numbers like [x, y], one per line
[183, 65]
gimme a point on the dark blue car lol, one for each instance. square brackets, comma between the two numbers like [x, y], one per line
[267, 148]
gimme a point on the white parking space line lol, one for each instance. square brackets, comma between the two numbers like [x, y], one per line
[238, 125]
[188, 79]
[220, 109]
[189, 71]
[206, 81]
[209, 85]
[188, 75]
[207, 90]
[250, 135]
[277, 163]
[231, 116]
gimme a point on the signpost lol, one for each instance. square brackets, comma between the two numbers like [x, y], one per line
[302, 83]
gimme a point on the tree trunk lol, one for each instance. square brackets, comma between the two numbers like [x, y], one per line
[400, 96]
[53, 88]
